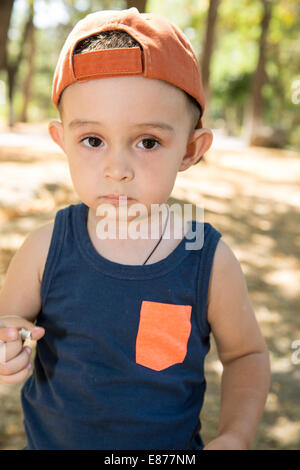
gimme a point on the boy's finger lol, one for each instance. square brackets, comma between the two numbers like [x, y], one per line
[37, 333]
[10, 349]
[15, 321]
[15, 378]
[16, 364]
[8, 334]
[13, 324]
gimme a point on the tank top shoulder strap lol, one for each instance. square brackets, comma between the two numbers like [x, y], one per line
[55, 247]
[206, 256]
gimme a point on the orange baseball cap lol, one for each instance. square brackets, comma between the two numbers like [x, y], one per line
[167, 53]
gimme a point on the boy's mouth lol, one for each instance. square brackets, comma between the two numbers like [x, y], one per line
[117, 197]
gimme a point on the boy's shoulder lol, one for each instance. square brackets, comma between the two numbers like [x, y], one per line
[20, 292]
[40, 240]
[225, 265]
[45, 235]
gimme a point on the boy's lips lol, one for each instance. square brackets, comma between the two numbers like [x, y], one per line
[117, 197]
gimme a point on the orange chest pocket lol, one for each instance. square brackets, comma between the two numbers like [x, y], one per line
[163, 334]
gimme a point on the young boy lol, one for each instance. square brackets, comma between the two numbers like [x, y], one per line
[123, 322]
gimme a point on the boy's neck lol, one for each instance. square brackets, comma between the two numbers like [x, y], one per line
[135, 251]
[145, 226]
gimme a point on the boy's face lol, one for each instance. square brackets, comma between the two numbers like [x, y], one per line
[111, 146]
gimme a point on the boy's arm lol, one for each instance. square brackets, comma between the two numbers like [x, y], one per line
[242, 351]
[20, 294]
[20, 303]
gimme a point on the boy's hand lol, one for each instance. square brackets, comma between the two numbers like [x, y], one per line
[14, 358]
[226, 442]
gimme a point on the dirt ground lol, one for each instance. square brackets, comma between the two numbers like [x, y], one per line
[251, 195]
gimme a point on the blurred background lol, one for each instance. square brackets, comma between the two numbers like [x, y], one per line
[248, 183]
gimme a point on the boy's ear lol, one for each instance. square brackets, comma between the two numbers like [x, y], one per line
[199, 142]
[56, 132]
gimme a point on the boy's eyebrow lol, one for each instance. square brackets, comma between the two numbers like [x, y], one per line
[156, 125]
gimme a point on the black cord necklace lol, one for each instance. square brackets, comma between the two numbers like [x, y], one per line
[160, 236]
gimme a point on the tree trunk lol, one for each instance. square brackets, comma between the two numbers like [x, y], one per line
[254, 110]
[11, 75]
[6, 7]
[30, 71]
[12, 67]
[208, 46]
[139, 4]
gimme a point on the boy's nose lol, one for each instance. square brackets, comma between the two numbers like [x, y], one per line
[118, 168]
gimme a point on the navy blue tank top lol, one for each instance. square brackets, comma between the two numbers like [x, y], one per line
[121, 365]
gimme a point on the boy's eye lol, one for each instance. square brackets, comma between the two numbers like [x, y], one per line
[92, 142]
[148, 143]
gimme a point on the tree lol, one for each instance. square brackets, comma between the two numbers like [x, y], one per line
[139, 4]
[254, 110]
[208, 45]
[12, 65]
[30, 60]
[6, 7]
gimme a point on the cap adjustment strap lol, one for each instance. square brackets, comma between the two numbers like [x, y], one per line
[125, 61]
